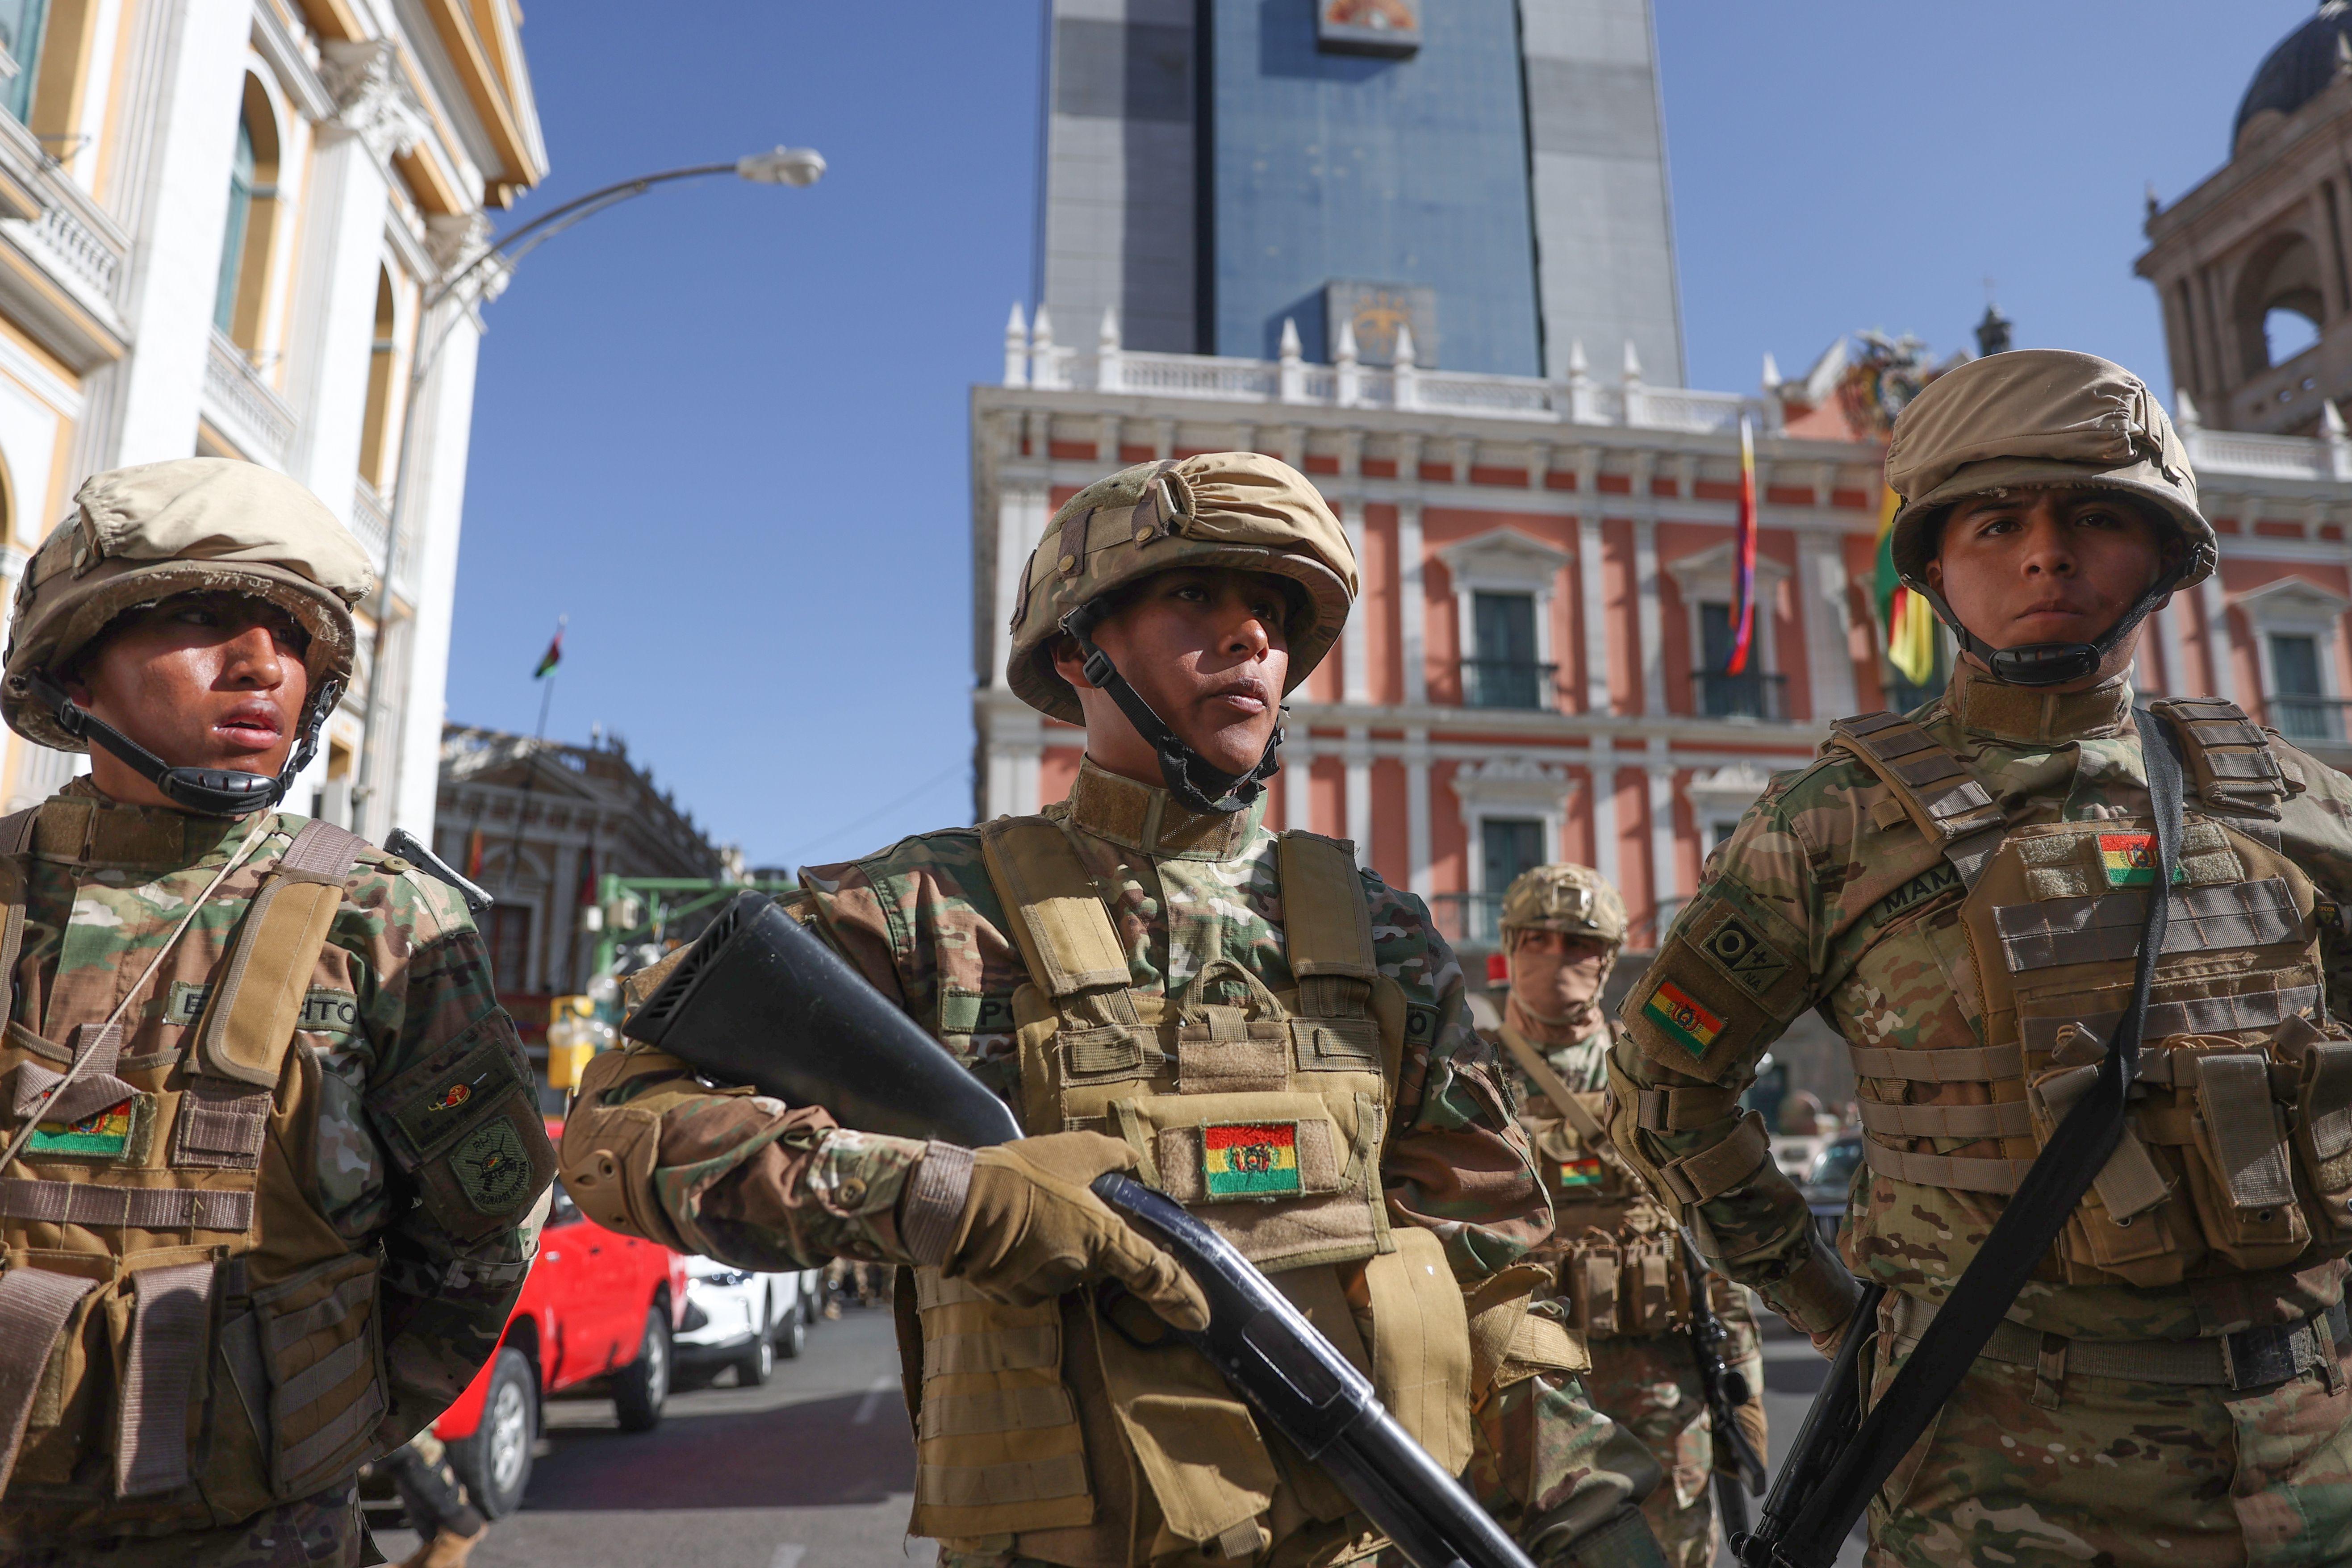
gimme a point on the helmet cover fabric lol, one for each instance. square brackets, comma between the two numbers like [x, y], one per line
[139, 535]
[1238, 510]
[1574, 899]
[2039, 419]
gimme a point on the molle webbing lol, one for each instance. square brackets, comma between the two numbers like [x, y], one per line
[2105, 929]
[170, 1331]
[1682, 1110]
[252, 1016]
[108, 1207]
[1975, 1064]
[1942, 798]
[2230, 763]
[1944, 1170]
[2007, 1119]
[2226, 1014]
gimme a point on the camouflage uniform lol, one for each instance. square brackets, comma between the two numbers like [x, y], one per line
[1188, 885]
[340, 1173]
[1831, 894]
[1643, 1374]
[749, 1182]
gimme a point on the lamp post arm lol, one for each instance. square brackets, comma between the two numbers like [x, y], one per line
[537, 232]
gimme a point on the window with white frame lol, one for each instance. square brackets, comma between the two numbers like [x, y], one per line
[1704, 579]
[1503, 586]
[1515, 810]
[2294, 623]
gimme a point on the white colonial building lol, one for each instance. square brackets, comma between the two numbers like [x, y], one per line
[220, 223]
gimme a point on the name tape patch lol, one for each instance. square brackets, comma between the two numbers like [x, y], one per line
[324, 1012]
[1938, 878]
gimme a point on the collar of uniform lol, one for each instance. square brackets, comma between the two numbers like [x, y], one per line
[81, 826]
[1138, 817]
[1981, 704]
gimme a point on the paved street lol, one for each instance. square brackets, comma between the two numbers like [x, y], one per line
[810, 1471]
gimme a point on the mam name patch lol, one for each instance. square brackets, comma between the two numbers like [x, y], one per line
[1251, 1159]
[1674, 1010]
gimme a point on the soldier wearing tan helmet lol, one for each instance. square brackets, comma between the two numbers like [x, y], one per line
[1616, 1260]
[1157, 981]
[272, 1162]
[1962, 893]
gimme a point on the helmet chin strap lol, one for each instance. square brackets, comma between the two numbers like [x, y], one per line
[2049, 664]
[206, 791]
[1197, 786]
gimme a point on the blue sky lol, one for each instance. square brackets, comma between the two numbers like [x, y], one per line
[722, 427]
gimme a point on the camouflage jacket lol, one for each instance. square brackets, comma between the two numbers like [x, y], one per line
[404, 974]
[1829, 863]
[746, 1180]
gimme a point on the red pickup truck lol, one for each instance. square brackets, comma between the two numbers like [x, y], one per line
[598, 1308]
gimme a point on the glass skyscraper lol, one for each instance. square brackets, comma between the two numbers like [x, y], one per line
[1489, 173]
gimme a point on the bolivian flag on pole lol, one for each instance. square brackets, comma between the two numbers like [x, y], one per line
[1910, 623]
[1743, 550]
[554, 654]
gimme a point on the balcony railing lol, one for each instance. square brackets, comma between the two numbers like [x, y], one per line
[1750, 694]
[2310, 719]
[1508, 683]
[1468, 919]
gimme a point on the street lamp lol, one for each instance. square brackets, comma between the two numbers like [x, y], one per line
[795, 166]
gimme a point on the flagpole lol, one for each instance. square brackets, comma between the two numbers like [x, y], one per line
[531, 769]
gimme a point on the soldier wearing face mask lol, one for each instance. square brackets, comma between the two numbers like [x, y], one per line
[1613, 1246]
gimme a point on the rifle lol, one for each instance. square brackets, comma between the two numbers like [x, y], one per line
[1739, 1467]
[759, 1000]
[1827, 1432]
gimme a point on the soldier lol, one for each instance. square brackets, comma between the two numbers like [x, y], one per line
[1620, 1264]
[273, 1152]
[1154, 980]
[1960, 893]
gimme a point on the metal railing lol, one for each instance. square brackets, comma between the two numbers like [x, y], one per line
[1508, 683]
[1468, 919]
[2304, 719]
[1751, 695]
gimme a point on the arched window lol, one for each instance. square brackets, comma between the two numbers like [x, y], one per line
[372, 427]
[245, 240]
[2280, 309]
[22, 23]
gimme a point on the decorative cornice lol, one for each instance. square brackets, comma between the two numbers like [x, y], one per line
[373, 98]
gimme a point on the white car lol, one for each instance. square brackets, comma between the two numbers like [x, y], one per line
[736, 1318]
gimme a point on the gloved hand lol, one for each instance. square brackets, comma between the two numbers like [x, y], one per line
[1029, 1229]
[1750, 1417]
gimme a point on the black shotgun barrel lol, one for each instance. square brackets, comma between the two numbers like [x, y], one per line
[1829, 1426]
[759, 1000]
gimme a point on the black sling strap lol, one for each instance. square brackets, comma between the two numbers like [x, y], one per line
[2051, 1188]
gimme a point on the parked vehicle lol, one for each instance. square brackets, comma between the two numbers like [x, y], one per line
[737, 1318]
[598, 1314]
[1828, 1182]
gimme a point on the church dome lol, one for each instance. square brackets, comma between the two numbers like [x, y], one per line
[2298, 70]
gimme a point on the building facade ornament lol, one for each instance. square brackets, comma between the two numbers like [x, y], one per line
[372, 102]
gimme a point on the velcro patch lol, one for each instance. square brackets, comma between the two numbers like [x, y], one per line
[1738, 942]
[105, 1135]
[1579, 1171]
[1250, 1159]
[1683, 1019]
[425, 1109]
[961, 1012]
[1420, 1024]
[1745, 955]
[492, 1166]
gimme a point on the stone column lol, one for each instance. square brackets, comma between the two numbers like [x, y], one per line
[1417, 758]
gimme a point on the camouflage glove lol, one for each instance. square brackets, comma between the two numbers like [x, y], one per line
[612, 1139]
[1018, 1224]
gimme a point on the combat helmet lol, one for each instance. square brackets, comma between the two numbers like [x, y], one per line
[2041, 419]
[138, 536]
[1574, 899]
[1238, 510]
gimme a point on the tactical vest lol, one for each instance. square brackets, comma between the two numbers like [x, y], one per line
[184, 1341]
[1268, 1121]
[2238, 1154]
[1618, 1265]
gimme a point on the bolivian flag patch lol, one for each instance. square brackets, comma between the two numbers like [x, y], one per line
[1583, 1171]
[1251, 1159]
[2129, 860]
[103, 1132]
[1685, 1020]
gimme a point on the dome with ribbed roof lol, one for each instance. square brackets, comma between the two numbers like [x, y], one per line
[2300, 69]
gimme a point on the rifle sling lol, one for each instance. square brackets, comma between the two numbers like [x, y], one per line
[1556, 1089]
[2046, 1194]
